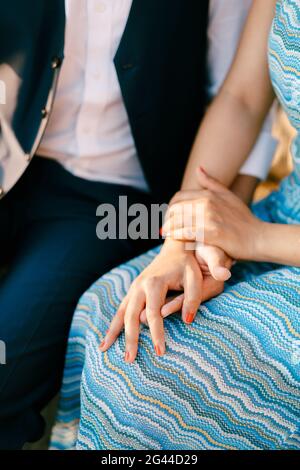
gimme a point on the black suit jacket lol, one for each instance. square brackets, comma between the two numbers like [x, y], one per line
[160, 63]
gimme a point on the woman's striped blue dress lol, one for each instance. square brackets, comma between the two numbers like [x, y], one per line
[229, 381]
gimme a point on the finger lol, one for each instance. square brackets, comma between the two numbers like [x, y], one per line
[173, 305]
[143, 318]
[208, 182]
[155, 298]
[132, 325]
[186, 234]
[116, 326]
[173, 217]
[199, 233]
[216, 260]
[193, 281]
[211, 288]
[183, 215]
[203, 252]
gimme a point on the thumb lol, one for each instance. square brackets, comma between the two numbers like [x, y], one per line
[208, 182]
[217, 261]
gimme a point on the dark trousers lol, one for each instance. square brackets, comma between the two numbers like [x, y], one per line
[49, 245]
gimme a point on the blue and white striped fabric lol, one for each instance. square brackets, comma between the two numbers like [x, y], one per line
[229, 381]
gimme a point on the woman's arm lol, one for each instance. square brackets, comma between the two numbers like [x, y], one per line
[227, 20]
[277, 243]
[244, 187]
[234, 120]
[226, 24]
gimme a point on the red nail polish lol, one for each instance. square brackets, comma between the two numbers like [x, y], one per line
[161, 231]
[102, 344]
[190, 318]
[157, 350]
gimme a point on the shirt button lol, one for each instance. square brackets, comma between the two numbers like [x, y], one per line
[56, 63]
[100, 7]
[127, 66]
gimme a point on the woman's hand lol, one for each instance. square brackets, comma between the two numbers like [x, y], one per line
[220, 218]
[210, 286]
[174, 269]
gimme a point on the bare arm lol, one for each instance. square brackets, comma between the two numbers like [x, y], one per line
[244, 187]
[278, 244]
[226, 23]
[234, 120]
[228, 133]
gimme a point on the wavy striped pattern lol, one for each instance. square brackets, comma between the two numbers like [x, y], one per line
[229, 381]
[284, 59]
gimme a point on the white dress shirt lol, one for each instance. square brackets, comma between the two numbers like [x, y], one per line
[89, 131]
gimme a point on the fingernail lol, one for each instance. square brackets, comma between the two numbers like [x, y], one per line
[127, 356]
[158, 350]
[222, 274]
[102, 345]
[190, 318]
[161, 231]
